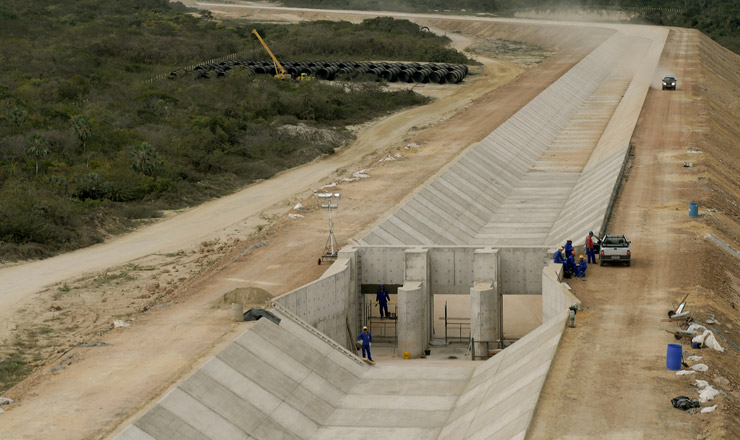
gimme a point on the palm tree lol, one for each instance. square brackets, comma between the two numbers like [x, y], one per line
[144, 159]
[38, 148]
[82, 128]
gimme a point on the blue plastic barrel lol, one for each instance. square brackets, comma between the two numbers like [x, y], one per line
[674, 356]
[693, 209]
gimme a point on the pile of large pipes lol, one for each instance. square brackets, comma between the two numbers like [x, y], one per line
[329, 71]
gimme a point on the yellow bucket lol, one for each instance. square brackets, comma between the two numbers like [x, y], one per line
[406, 355]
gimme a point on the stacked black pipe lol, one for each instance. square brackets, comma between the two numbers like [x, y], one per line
[329, 71]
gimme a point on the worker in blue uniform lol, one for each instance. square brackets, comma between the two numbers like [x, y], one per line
[590, 249]
[581, 267]
[365, 338]
[570, 264]
[382, 298]
[558, 256]
[568, 247]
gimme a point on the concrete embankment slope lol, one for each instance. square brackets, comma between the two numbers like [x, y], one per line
[289, 381]
[548, 172]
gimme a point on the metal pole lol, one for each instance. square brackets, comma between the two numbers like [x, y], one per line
[446, 323]
[331, 229]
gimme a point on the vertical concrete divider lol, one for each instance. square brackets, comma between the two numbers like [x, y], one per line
[411, 319]
[487, 271]
[417, 267]
[484, 312]
[324, 303]
[352, 296]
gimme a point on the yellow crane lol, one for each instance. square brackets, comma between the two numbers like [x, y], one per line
[280, 72]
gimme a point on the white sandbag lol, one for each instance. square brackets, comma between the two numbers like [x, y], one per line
[707, 394]
[708, 409]
[700, 367]
[685, 372]
[701, 383]
[711, 342]
[695, 358]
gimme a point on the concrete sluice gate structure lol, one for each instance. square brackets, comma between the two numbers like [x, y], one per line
[484, 227]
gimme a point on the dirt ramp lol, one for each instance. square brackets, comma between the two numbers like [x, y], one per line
[246, 296]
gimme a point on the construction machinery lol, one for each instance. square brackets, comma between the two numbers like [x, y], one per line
[280, 72]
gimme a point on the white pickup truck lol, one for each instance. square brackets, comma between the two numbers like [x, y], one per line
[615, 248]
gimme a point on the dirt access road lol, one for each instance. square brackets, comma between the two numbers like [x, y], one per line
[98, 389]
[608, 379]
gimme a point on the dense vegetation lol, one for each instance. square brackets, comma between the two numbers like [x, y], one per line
[88, 146]
[720, 19]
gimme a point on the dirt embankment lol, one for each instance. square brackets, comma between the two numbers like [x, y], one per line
[608, 379]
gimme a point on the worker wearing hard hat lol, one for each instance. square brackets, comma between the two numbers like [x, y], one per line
[382, 298]
[568, 247]
[570, 265]
[581, 267]
[590, 251]
[365, 338]
[558, 256]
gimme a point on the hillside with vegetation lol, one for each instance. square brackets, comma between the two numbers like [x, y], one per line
[719, 19]
[90, 147]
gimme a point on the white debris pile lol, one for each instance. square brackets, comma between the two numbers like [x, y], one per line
[685, 372]
[700, 367]
[299, 207]
[391, 158]
[118, 323]
[357, 175]
[708, 409]
[6, 401]
[706, 391]
[413, 145]
[331, 185]
[294, 216]
[693, 150]
[706, 338]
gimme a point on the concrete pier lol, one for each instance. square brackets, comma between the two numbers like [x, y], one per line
[485, 315]
[417, 267]
[411, 319]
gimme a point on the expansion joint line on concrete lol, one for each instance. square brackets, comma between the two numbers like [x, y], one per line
[311, 329]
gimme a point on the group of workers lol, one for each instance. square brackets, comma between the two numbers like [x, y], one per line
[382, 298]
[566, 256]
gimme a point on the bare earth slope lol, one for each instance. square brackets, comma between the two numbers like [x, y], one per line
[609, 378]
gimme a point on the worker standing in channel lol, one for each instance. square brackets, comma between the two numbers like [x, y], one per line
[581, 267]
[590, 251]
[568, 248]
[365, 338]
[382, 299]
[558, 256]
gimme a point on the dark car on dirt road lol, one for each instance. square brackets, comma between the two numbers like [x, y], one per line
[669, 83]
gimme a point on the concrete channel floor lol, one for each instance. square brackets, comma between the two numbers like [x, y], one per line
[289, 381]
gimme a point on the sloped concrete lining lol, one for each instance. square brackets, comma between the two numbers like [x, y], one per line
[596, 189]
[500, 399]
[455, 207]
[289, 381]
[549, 172]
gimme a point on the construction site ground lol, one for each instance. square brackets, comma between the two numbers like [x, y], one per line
[608, 378]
